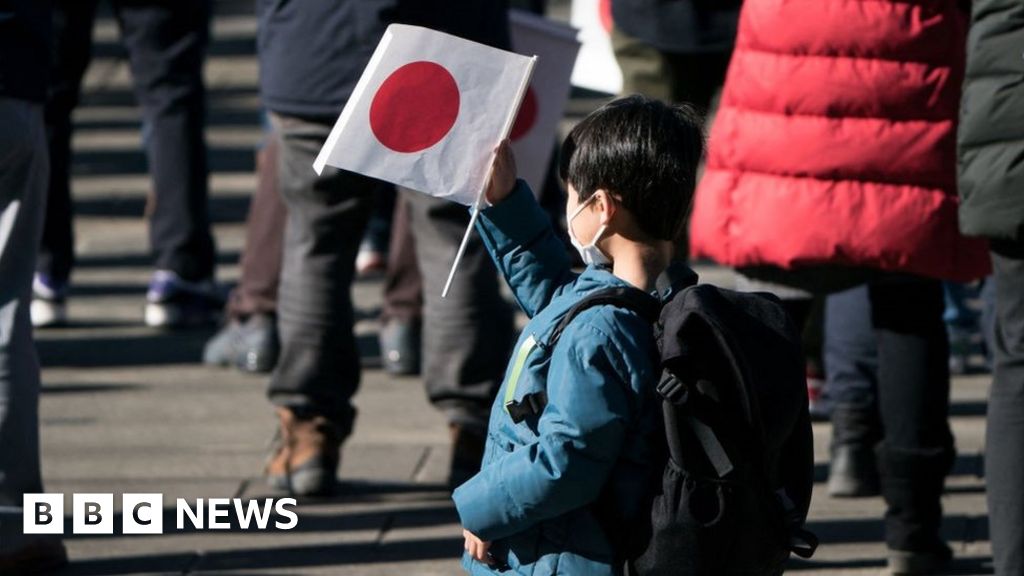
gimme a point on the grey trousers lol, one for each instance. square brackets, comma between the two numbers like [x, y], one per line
[24, 170]
[319, 367]
[1004, 454]
[467, 337]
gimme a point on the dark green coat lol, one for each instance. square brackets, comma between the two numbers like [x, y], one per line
[991, 134]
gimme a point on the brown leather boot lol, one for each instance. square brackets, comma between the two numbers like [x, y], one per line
[305, 461]
[467, 454]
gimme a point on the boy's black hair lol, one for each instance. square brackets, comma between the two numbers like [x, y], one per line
[643, 151]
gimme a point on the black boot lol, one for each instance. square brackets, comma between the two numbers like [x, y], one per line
[912, 484]
[853, 472]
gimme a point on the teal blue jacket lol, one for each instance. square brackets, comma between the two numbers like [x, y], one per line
[536, 495]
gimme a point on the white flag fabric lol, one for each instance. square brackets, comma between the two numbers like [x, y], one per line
[596, 68]
[534, 131]
[428, 112]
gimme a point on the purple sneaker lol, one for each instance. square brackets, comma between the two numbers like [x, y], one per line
[49, 301]
[172, 302]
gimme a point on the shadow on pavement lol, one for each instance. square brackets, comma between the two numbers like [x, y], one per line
[955, 528]
[137, 260]
[269, 557]
[222, 159]
[223, 209]
[963, 566]
[88, 388]
[153, 349]
[965, 465]
[157, 348]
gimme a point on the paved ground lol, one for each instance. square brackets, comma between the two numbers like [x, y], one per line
[128, 409]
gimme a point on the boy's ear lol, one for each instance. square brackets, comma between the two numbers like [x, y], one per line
[606, 205]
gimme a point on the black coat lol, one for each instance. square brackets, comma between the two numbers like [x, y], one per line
[991, 134]
[312, 52]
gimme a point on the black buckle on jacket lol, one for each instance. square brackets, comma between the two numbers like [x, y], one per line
[672, 389]
[530, 405]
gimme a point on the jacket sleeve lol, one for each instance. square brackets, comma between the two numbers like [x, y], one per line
[520, 239]
[581, 432]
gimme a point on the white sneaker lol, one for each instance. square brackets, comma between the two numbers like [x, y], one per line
[172, 302]
[49, 305]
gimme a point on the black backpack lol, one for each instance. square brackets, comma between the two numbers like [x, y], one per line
[736, 483]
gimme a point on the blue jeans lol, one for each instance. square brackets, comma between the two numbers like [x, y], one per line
[851, 349]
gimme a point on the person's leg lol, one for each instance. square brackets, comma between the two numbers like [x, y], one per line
[987, 318]
[1004, 451]
[22, 190]
[467, 336]
[166, 44]
[851, 369]
[319, 368]
[70, 55]
[373, 252]
[697, 77]
[962, 325]
[401, 318]
[913, 389]
[248, 340]
[645, 69]
[812, 336]
[264, 241]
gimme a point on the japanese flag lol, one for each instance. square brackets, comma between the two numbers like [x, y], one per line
[533, 133]
[428, 112]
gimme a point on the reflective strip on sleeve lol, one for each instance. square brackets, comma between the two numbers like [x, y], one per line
[517, 369]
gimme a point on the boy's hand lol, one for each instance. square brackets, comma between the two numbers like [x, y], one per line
[503, 177]
[476, 547]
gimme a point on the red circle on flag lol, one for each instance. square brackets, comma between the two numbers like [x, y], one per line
[415, 107]
[605, 14]
[527, 116]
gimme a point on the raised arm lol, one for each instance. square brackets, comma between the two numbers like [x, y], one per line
[519, 236]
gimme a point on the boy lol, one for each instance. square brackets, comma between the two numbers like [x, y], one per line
[571, 434]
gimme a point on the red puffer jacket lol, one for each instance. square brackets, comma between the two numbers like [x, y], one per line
[835, 141]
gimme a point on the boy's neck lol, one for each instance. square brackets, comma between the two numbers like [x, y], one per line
[640, 264]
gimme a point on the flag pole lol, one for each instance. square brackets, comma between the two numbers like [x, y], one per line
[480, 197]
[465, 242]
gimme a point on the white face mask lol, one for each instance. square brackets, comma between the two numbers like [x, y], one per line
[590, 253]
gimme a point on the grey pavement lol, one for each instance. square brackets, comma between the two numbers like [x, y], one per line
[128, 409]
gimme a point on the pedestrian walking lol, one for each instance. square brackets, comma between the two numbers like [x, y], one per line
[311, 55]
[166, 43]
[248, 339]
[830, 165]
[991, 149]
[24, 41]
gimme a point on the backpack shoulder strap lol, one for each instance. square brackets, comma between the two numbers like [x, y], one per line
[647, 306]
[635, 299]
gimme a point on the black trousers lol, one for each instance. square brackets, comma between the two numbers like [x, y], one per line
[166, 43]
[1004, 455]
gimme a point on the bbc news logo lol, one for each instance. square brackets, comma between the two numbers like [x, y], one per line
[144, 514]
